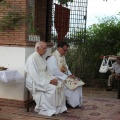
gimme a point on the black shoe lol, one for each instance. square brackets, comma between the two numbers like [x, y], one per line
[67, 111]
[54, 115]
[109, 89]
[68, 106]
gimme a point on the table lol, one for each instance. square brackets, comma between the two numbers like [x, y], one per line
[11, 75]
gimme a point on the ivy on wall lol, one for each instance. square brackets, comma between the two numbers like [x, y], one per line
[12, 19]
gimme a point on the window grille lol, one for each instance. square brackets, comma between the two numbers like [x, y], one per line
[77, 22]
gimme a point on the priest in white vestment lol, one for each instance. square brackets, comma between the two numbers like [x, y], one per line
[58, 67]
[46, 90]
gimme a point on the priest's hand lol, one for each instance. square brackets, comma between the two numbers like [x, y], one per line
[54, 82]
[72, 76]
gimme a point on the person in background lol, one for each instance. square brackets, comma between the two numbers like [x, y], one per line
[46, 90]
[58, 67]
[115, 74]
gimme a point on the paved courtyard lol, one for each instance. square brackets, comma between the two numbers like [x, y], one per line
[98, 104]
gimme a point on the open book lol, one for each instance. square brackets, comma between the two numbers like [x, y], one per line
[72, 83]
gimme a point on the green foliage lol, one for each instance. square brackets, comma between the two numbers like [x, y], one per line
[80, 61]
[102, 39]
[3, 3]
[30, 21]
[64, 2]
[11, 21]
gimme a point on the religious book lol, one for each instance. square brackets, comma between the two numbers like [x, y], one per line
[72, 83]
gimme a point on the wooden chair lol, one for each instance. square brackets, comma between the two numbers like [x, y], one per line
[30, 101]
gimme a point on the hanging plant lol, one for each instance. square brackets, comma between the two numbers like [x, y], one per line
[64, 2]
[30, 21]
[11, 21]
[4, 3]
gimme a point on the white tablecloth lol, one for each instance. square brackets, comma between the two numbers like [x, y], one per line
[11, 75]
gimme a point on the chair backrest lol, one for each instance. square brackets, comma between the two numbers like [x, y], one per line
[30, 101]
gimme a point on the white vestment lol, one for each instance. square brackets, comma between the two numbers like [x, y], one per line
[74, 97]
[50, 99]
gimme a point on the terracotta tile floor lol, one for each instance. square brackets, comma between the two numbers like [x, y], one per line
[11, 113]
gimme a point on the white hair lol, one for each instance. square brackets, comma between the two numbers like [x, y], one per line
[39, 44]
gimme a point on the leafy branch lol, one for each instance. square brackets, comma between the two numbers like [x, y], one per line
[11, 21]
[64, 2]
[4, 3]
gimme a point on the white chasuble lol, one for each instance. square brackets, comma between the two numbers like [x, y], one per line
[58, 67]
[50, 99]
[71, 83]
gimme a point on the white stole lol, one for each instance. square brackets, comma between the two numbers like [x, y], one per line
[61, 62]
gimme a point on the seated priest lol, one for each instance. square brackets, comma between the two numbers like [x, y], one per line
[58, 67]
[46, 90]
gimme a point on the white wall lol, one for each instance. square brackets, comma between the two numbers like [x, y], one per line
[14, 58]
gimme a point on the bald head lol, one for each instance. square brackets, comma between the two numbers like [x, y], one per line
[41, 47]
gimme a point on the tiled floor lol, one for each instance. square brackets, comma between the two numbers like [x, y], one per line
[98, 105]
